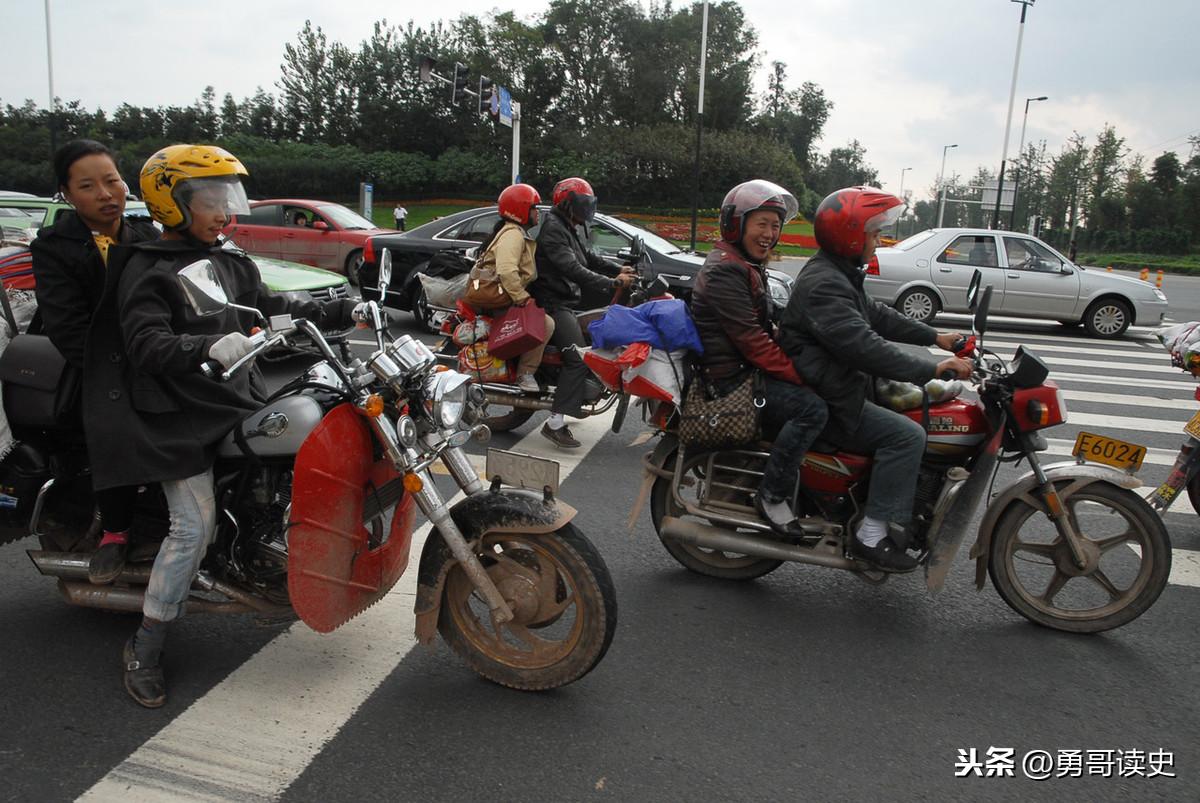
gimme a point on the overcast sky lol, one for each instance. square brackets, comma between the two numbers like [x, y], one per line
[906, 76]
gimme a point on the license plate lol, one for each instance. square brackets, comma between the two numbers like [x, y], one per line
[1193, 427]
[1110, 451]
[522, 470]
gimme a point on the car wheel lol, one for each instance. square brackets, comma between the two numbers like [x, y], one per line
[354, 263]
[919, 304]
[1107, 317]
[426, 318]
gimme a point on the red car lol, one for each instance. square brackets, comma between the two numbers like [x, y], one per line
[319, 233]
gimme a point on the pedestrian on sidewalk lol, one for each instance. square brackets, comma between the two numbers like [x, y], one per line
[399, 213]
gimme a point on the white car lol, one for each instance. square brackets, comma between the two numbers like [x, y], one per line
[929, 272]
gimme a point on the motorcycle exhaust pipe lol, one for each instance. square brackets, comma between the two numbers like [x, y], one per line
[709, 537]
[509, 399]
[74, 566]
[129, 600]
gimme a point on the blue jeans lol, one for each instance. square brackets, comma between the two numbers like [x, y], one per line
[897, 444]
[193, 508]
[795, 415]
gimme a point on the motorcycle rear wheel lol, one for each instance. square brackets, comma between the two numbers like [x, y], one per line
[1032, 570]
[709, 562]
[564, 603]
[505, 421]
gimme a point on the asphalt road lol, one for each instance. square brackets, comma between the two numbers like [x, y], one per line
[806, 683]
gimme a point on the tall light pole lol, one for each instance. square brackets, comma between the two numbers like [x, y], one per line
[1012, 222]
[902, 172]
[699, 122]
[941, 188]
[1012, 95]
[50, 77]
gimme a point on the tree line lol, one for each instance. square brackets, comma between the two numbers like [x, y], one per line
[608, 91]
[1109, 198]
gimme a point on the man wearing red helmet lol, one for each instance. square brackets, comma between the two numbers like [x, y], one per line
[565, 267]
[840, 339]
[731, 309]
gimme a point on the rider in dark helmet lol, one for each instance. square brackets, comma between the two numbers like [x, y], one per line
[731, 309]
[840, 339]
[565, 265]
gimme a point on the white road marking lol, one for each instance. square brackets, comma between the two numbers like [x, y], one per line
[1102, 379]
[1185, 566]
[1070, 346]
[1178, 405]
[252, 735]
[1124, 422]
[1100, 364]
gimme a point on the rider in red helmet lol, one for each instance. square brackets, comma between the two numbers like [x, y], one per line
[839, 338]
[565, 267]
[509, 254]
[731, 310]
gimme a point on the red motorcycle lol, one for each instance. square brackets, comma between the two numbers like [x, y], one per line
[1068, 545]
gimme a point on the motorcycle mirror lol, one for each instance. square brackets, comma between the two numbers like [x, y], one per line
[385, 273]
[203, 289]
[981, 311]
[636, 249]
[973, 290]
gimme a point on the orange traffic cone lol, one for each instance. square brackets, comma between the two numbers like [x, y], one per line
[1144, 275]
[1110, 268]
[1159, 280]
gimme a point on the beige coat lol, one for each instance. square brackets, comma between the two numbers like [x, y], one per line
[511, 256]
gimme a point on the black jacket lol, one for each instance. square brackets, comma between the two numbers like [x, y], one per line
[565, 266]
[186, 413]
[838, 338]
[77, 310]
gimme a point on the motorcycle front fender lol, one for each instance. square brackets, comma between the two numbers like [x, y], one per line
[1080, 475]
[500, 511]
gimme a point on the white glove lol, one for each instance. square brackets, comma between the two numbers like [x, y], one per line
[231, 348]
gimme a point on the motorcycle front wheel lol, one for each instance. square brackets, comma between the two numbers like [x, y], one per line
[709, 562]
[565, 607]
[1127, 556]
[1193, 490]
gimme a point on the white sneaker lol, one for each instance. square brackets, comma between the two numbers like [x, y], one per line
[527, 383]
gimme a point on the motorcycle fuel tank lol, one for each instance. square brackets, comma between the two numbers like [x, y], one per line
[956, 427]
[277, 430]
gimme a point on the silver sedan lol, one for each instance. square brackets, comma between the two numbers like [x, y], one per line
[929, 273]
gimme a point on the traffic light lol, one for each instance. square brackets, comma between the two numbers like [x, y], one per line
[458, 86]
[486, 87]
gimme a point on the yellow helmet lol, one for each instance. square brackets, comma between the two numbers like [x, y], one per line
[170, 178]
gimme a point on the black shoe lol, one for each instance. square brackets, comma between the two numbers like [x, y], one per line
[144, 683]
[560, 437]
[884, 555]
[787, 528]
[106, 563]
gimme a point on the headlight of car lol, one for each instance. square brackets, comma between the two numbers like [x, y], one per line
[780, 291]
[1160, 294]
[446, 397]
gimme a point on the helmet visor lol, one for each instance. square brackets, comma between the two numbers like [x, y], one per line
[209, 195]
[884, 219]
[583, 207]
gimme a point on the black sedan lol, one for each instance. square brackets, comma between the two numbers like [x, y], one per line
[608, 236]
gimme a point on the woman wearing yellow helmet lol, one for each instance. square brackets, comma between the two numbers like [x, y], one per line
[191, 190]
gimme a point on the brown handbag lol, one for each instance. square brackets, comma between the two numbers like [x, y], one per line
[710, 421]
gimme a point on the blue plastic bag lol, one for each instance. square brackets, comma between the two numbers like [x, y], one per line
[665, 324]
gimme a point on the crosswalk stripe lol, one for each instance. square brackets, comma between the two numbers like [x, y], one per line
[1185, 566]
[1098, 364]
[1120, 381]
[1125, 400]
[1124, 422]
[1070, 346]
[252, 735]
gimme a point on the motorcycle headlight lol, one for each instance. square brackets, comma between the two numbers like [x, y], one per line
[446, 397]
[780, 291]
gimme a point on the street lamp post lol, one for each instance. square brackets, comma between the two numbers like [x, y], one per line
[902, 172]
[699, 123]
[1012, 95]
[1012, 223]
[941, 187]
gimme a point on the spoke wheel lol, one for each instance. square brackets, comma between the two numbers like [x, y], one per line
[709, 562]
[564, 606]
[920, 305]
[1107, 318]
[1126, 551]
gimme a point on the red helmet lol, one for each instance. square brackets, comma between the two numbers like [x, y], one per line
[518, 203]
[845, 216]
[575, 198]
[750, 196]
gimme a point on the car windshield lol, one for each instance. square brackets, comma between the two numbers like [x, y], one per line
[344, 218]
[914, 240]
[649, 238]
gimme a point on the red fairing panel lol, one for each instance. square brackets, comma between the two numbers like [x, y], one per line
[332, 573]
[833, 473]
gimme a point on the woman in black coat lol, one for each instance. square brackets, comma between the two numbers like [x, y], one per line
[77, 269]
